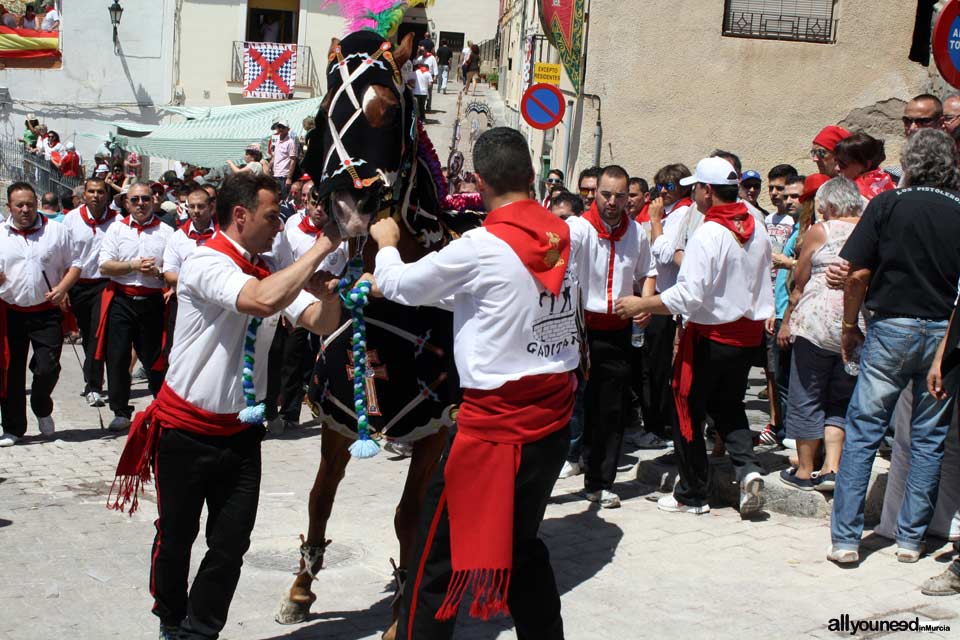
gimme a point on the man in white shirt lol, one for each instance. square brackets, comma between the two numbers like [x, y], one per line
[427, 58]
[201, 436]
[133, 307]
[88, 224]
[51, 20]
[513, 289]
[283, 164]
[195, 232]
[423, 80]
[34, 254]
[723, 290]
[614, 258]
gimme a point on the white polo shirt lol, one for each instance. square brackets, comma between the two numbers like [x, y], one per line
[664, 247]
[87, 239]
[123, 242]
[179, 248]
[610, 270]
[297, 242]
[24, 259]
[506, 325]
[721, 281]
[207, 357]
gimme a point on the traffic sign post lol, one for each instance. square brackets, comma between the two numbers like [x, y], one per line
[542, 106]
[946, 43]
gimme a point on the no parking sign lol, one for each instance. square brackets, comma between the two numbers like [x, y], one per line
[542, 106]
[946, 43]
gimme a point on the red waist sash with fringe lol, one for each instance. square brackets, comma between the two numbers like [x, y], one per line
[106, 300]
[168, 411]
[741, 333]
[480, 475]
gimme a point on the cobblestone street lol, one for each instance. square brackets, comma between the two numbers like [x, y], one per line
[73, 569]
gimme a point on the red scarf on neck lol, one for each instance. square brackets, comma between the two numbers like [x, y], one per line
[873, 183]
[735, 217]
[306, 225]
[224, 245]
[644, 215]
[492, 427]
[200, 237]
[108, 215]
[168, 411]
[593, 217]
[540, 239]
[133, 224]
[32, 230]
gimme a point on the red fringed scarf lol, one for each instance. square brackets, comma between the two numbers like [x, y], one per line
[168, 411]
[735, 217]
[742, 333]
[873, 183]
[200, 237]
[480, 476]
[540, 239]
[644, 215]
[224, 245]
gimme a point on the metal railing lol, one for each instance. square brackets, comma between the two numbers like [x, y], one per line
[19, 164]
[308, 74]
[749, 24]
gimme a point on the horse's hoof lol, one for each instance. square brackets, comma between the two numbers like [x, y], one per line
[293, 612]
[391, 633]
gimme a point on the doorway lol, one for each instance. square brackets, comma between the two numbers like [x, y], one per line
[273, 21]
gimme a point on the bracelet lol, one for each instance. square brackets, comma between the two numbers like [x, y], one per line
[848, 325]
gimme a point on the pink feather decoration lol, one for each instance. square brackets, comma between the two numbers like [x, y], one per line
[357, 12]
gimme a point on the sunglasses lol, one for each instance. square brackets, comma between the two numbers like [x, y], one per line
[588, 193]
[667, 186]
[819, 154]
[136, 199]
[554, 181]
[920, 122]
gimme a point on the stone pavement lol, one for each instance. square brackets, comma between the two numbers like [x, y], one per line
[74, 570]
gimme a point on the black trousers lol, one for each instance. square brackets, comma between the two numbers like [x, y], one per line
[44, 331]
[606, 405]
[85, 304]
[190, 470]
[654, 375]
[137, 322]
[533, 597]
[299, 357]
[719, 383]
[421, 107]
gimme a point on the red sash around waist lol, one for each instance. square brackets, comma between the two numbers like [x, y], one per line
[168, 411]
[106, 300]
[741, 333]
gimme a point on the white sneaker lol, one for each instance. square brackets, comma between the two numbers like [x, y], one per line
[843, 556]
[647, 440]
[907, 555]
[751, 494]
[669, 503]
[96, 399]
[570, 469]
[8, 440]
[402, 449]
[47, 428]
[790, 443]
[119, 423]
[607, 499]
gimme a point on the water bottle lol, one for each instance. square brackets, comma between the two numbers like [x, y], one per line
[852, 366]
[638, 336]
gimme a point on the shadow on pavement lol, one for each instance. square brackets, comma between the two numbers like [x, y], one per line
[340, 624]
[73, 435]
[5, 523]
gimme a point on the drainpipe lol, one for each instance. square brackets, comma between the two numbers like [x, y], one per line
[598, 130]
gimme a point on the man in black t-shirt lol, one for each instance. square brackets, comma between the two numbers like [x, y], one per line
[444, 54]
[904, 267]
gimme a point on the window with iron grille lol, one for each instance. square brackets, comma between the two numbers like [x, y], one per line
[797, 20]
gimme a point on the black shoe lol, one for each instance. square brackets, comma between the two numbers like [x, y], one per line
[169, 632]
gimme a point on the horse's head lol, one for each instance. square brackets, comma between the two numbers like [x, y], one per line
[364, 139]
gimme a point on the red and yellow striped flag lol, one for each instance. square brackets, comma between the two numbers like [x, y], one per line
[28, 43]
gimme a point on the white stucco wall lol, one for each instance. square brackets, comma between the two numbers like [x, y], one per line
[93, 85]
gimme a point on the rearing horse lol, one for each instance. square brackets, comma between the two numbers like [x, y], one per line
[373, 159]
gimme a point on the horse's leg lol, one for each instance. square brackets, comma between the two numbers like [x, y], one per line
[423, 464]
[334, 456]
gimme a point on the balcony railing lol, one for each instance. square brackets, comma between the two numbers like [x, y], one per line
[748, 24]
[308, 75]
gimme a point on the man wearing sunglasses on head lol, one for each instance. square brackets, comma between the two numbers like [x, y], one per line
[132, 308]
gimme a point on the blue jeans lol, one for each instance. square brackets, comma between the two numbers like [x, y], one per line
[896, 351]
[576, 426]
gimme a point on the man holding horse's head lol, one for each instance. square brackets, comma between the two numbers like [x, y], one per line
[512, 286]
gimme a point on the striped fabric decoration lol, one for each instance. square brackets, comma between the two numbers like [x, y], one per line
[28, 43]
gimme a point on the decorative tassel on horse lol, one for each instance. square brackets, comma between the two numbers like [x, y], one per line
[355, 300]
[255, 412]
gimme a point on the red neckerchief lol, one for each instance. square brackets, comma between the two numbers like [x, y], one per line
[540, 239]
[224, 245]
[306, 225]
[644, 215]
[593, 217]
[108, 215]
[735, 217]
[32, 230]
[200, 237]
[492, 427]
[133, 224]
[424, 68]
[873, 183]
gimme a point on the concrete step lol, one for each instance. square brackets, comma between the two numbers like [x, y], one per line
[658, 469]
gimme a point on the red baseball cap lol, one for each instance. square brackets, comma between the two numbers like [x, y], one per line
[812, 184]
[829, 136]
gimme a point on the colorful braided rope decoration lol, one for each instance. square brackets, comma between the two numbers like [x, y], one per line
[255, 412]
[355, 299]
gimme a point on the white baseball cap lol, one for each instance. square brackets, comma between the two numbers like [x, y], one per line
[712, 171]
